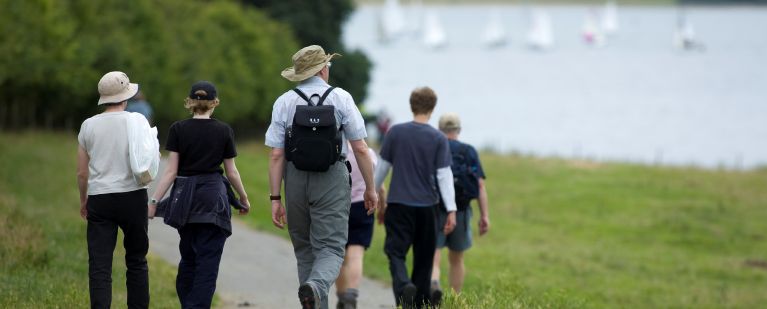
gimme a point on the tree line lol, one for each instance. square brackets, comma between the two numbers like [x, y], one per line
[53, 52]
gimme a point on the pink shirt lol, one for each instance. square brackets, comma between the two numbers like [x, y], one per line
[358, 183]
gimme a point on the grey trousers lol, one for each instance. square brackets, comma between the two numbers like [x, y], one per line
[318, 215]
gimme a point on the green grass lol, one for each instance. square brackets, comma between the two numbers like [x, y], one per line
[598, 235]
[564, 233]
[43, 252]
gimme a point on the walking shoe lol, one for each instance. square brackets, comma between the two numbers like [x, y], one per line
[408, 296]
[308, 296]
[347, 304]
[347, 299]
[436, 297]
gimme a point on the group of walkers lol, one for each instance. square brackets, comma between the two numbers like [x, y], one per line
[332, 183]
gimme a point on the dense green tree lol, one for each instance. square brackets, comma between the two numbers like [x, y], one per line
[321, 22]
[53, 52]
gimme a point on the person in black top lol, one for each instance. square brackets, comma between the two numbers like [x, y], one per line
[199, 203]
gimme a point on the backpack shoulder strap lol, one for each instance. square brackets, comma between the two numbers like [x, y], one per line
[325, 95]
[303, 96]
[470, 161]
[466, 150]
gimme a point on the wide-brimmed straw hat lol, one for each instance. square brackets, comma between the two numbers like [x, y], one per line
[307, 62]
[115, 87]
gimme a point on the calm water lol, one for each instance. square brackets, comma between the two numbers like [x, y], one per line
[638, 99]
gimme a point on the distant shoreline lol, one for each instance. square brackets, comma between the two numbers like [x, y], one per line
[761, 3]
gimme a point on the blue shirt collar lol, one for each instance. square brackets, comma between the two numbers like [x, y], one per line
[313, 81]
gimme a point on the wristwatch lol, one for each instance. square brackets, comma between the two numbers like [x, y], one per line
[153, 201]
[275, 197]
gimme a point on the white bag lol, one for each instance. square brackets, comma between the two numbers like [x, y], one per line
[143, 149]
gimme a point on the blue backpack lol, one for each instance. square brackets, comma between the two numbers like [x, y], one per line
[465, 179]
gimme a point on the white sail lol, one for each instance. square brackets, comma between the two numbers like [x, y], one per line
[433, 34]
[592, 34]
[684, 37]
[392, 21]
[610, 18]
[540, 35]
[495, 34]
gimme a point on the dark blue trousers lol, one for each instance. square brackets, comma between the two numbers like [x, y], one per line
[201, 247]
[408, 226]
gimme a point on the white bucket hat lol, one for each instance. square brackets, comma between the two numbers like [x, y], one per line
[115, 87]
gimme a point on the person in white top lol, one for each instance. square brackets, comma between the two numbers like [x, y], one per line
[110, 197]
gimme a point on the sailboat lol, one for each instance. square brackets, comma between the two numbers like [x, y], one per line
[433, 34]
[592, 34]
[540, 36]
[392, 22]
[684, 36]
[610, 18]
[494, 35]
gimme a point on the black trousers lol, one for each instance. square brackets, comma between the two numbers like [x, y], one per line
[201, 247]
[107, 212]
[406, 226]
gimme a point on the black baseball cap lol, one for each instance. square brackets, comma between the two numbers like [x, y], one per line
[206, 86]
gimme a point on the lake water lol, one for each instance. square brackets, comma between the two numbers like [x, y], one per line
[638, 99]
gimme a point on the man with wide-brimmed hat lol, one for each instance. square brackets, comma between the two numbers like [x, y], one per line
[110, 197]
[317, 201]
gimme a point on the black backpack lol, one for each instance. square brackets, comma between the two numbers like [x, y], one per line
[465, 179]
[313, 141]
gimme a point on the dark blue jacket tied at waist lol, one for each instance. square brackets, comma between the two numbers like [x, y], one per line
[199, 199]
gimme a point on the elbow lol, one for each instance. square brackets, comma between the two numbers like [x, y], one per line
[171, 173]
[82, 174]
[360, 151]
[231, 174]
[277, 155]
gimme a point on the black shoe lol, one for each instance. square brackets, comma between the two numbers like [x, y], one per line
[436, 297]
[308, 297]
[348, 304]
[348, 299]
[408, 296]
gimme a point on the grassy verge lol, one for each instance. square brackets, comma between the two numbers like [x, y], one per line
[605, 235]
[43, 252]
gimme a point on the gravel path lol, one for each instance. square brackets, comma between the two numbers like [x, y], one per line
[258, 270]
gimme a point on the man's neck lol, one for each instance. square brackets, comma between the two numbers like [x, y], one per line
[452, 136]
[422, 118]
[115, 108]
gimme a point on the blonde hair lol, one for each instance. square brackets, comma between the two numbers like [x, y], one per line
[196, 106]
